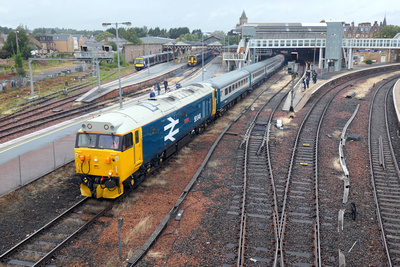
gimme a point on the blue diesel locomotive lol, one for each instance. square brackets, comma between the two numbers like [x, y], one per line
[118, 149]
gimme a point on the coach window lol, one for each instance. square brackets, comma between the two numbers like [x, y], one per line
[226, 91]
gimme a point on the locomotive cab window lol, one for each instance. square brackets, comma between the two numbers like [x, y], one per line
[109, 141]
[136, 137]
[86, 140]
[127, 141]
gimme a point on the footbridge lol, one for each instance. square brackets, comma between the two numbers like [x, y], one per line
[328, 44]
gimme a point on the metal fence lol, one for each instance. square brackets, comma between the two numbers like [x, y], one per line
[32, 165]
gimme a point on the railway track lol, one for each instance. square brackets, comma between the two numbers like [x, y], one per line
[34, 117]
[145, 248]
[385, 173]
[258, 209]
[38, 248]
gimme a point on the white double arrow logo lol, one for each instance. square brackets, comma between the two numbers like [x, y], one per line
[172, 132]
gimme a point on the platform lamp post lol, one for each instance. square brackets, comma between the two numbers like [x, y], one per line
[119, 69]
[16, 41]
[202, 54]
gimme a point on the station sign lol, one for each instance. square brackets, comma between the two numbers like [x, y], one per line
[367, 50]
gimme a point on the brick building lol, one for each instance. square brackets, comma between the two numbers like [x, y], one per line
[132, 51]
[363, 30]
[67, 43]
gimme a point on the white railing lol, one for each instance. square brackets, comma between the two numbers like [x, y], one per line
[321, 43]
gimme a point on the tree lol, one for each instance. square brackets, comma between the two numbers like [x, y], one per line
[198, 32]
[102, 36]
[39, 31]
[219, 34]
[176, 32]
[131, 36]
[5, 30]
[188, 37]
[388, 31]
[112, 31]
[113, 45]
[155, 32]
[141, 32]
[23, 43]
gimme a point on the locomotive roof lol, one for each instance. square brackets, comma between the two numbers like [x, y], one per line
[145, 111]
[152, 55]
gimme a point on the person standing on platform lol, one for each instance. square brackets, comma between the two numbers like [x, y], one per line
[158, 88]
[152, 92]
[307, 82]
[166, 85]
[304, 84]
[314, 76]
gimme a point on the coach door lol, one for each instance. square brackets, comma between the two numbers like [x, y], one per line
[137, 143]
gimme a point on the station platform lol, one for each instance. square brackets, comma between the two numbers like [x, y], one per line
[155, 72]
[396, 100]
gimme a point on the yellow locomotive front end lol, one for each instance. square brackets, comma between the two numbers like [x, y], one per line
[192, 60]
[105, 162]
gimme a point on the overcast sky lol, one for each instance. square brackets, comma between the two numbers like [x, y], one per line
[207, 15]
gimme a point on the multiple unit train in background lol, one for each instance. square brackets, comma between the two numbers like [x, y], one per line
[150, 60]
[196, 59]
[118, 149]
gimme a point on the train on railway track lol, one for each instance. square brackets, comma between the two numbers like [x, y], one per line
[150, 60]
[196, 59]
[116, 150]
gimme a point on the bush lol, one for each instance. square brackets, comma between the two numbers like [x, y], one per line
[368, 61]
[21, 72]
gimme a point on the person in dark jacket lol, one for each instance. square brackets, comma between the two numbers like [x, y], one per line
[166, 85]
[307, 82]
[314, 76]
[158, 88]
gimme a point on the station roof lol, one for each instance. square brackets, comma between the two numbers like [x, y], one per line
[156, 40]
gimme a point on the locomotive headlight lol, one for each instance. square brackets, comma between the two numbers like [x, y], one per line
[95, 160]
[110, 173]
